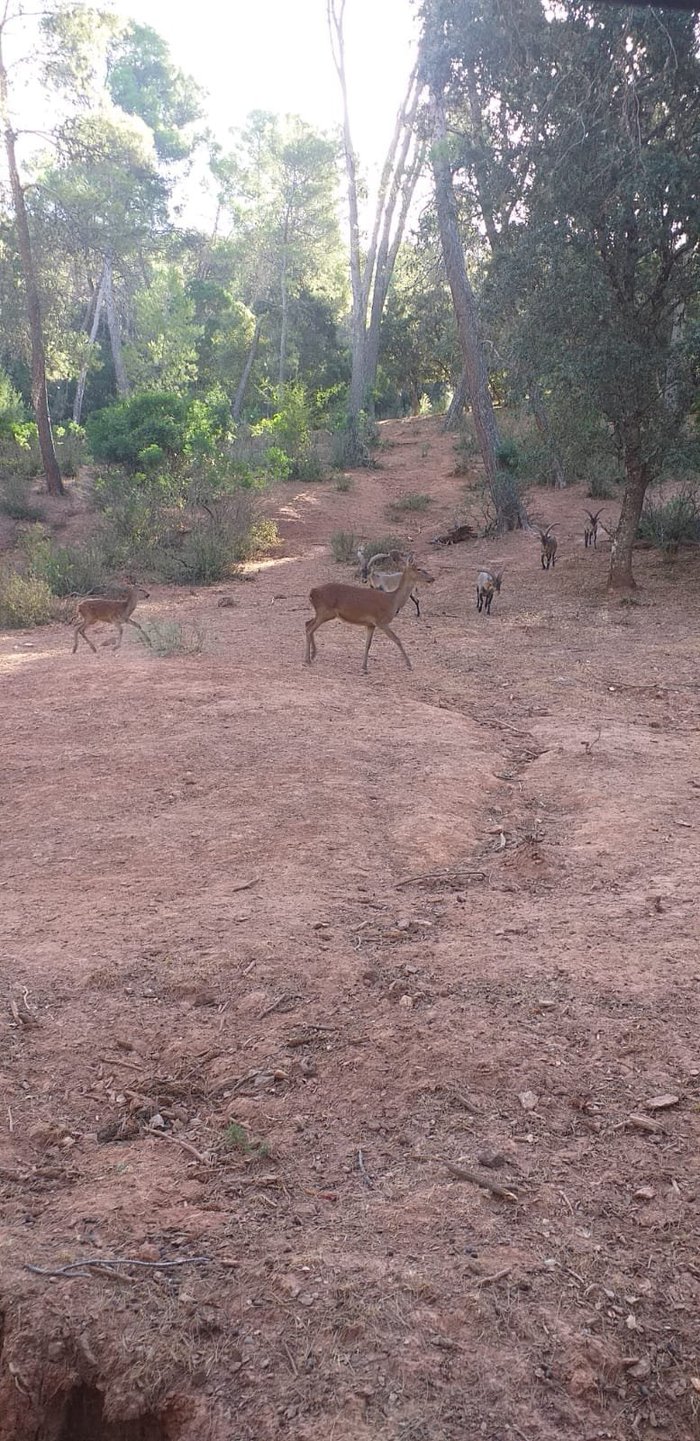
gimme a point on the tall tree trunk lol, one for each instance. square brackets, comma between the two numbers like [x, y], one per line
[115, 335]
[453, 414]
[284, 325]
[638, 477]
[239, 397]
[509, 509]
[82, 378]
[539, 411]
[40, 400]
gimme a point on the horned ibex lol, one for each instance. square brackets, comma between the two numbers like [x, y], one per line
[487, 583]
[590, 534]
[114, 612]
[374, 609]
[384, 570]
[548, 542]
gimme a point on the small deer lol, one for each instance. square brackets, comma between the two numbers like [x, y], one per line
[548, 542]
[374, 609]
[384, 570]
[113, 612]
[487, 583]
[590, 534]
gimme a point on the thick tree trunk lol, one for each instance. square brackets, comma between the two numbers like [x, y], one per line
[239, 397]
[82, 378]
[509, 510]
[115, 335]
[638, 477]
[454, 411]
[40, 400]
[541, 419]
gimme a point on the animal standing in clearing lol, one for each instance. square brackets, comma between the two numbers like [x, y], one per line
[99, 608]
[590, 534]
[384, 571]
[374, 609]
[548, 542]
[487, 583]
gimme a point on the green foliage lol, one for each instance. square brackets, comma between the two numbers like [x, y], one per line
[414, 501]
[382, 545]
[152, 427]
[67, 570]
[70, 447]
[344, 545]
[344, 483]
[209, 553]
[25, 600]
[236, 1138]
[13, 416]
[15, 498]
[143, 81]
[668, 524]
[508, 455]
[289, 430]
[353, 443]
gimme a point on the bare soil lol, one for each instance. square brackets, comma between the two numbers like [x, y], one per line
[281, 948]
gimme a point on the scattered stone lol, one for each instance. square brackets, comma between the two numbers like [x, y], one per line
[662, 1103]
[645, 1193]
[528, 1100]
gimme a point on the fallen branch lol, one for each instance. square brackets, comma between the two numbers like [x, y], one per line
[493, 1276]
[445, 875]
[282, 1001]
[462, 1173]
[185, 1146]
[75, 1267]
[363, 1171]
[245, 885]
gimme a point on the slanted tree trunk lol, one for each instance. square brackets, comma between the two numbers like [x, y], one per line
[638, 477]
[115, 335]
[284, 321]
[509, 509]
[453, 414]
[82, 378]
[40, 400]
[239, 397]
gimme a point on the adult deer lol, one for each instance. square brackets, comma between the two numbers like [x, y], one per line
[373, 609]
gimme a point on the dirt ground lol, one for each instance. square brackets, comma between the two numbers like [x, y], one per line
[281, 948]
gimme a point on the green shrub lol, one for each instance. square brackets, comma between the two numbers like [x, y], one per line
[601, 487]
[344, 483]
[15, 498]
[381, 546]
[344, 545]
[668, 524]
[74, 570]
[353, 443]
[508, 454]
[25, 600]
[412, 501]
[70, 448]
[129, 429]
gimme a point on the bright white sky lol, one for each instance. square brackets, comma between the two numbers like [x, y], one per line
[275, 55]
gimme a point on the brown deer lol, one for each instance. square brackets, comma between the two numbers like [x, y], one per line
[374, 609]
[113, 612]
[590, 534]
[487, 583]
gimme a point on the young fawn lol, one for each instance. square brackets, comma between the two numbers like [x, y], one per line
[549, 547]
[114, 612]
[384, 571]
[487, 583]
[590, 534]
[374, 609]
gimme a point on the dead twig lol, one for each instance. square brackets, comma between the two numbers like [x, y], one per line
[75, 1267]
[245, 885]
[282, 1001]
[185, 1146]
[363, 1171]
[492, 1276]
[462, 1173]
[444, 875]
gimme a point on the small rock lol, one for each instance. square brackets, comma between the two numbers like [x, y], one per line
[491, 1159]
[528, 1100]
[661, 1103]
[147, 1252]
[406, 1002]
[156, 1122]
[645, 1193]
[308, 1066]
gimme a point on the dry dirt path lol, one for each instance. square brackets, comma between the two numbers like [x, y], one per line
[235, 1027]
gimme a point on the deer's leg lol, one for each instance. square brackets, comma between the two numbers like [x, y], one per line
[370, 635]
[140, 629]
[80, 631]
[489, 598]
[478, 600]
[120, 628]
[386, 630]
[414, 598]
[310, 627]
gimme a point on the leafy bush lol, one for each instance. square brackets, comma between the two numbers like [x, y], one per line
[153, 426]
[207, 556]
[344, 483]
[508, 454]
[13, 415]
[15, 499]
[381, 546]
[73, 570]
[353, 443]
[601, 487]
[169, 637]
[344, 545]
[70, 447]
[25, 600]
[668, 524]
[412, 501]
